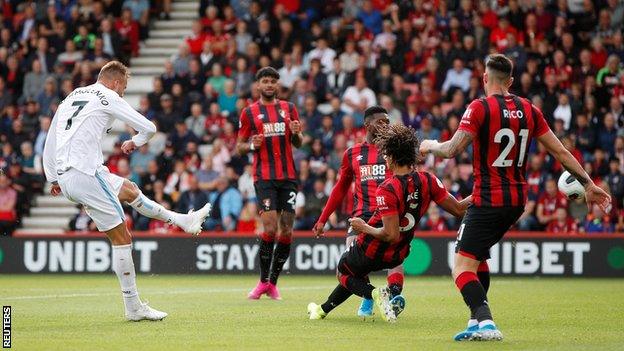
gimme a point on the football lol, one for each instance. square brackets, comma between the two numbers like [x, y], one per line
[570, 186]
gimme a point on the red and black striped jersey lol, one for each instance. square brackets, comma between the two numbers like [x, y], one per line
[502, 128]
[407, 196]
[274, 160]
[367, 168]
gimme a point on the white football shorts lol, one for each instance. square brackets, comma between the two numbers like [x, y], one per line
[97, 194]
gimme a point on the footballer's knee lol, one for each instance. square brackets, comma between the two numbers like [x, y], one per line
[129, 191]
[269, 222]
[119, 235]
[286, 223]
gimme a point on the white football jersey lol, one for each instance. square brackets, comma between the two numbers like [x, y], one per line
[81, 121]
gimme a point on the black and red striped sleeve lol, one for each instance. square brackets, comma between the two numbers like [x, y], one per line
[340, 190]
[438, 191]
[386, 200]
[541, 126]
[244, 126]
[473, 118]
[294, 114]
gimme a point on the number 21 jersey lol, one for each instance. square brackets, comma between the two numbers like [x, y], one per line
[502, 128]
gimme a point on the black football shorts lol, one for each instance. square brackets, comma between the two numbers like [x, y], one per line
[483, 227]
[276, 195]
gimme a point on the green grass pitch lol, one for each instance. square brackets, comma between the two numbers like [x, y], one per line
[84, 312]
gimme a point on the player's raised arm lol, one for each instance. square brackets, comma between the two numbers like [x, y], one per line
[593, 193]
[468, 128]
[121, 110]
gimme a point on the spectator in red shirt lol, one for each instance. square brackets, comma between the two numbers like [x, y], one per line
[211, 15]
[561, 70]
[196, 40]
[598, 54]
[434, 221]
[549, 202]
[218, 38]
[489, 19]
[416, 58]
[562, 223]
[129, 31]
[499, 34]
[545, 19]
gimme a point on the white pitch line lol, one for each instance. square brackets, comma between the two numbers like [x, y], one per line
[157, 292]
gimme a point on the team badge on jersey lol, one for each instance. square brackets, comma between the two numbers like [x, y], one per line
[260, 116]
[282, 113]
[267, 204]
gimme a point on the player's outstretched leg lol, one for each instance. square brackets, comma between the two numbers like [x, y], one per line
[123, 266]
[337, 297]
[474, 294]
[190, 223]
[395, 285]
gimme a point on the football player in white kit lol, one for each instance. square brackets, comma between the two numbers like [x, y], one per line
[73, 163]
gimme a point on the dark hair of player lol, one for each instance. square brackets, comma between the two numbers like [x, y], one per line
[267, 72]
[399, 143]
[373, 110]
[500, 66]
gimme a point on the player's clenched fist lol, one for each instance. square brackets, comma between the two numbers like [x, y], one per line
[55, 190]
[128, 146]
[357, 224]
[425, 146]
[256, 141]
[295, 127]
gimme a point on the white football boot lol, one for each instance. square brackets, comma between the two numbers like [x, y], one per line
[192, 222]
[144, 312]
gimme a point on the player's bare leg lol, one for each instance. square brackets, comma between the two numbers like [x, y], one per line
[467, 281]
[281, 253]
[267, 243]
[123, 266]
[190, 223]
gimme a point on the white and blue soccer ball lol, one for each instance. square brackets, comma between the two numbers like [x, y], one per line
[570, 186]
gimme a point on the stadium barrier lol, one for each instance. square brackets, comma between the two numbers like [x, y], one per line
[519, 254]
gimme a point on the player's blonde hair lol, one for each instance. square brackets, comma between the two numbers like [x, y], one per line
[113, 70]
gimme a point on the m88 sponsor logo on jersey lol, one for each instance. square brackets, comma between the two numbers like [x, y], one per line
[274, 129]
[372, 172]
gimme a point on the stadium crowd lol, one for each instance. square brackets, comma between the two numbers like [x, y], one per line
[421, 60]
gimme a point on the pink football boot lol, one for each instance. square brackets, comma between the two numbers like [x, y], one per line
[261, 288]
[272, 292]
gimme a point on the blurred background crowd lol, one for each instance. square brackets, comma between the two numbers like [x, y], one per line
[421, 60]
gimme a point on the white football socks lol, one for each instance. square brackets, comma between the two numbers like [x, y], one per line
[123, 266]
[152, 209]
